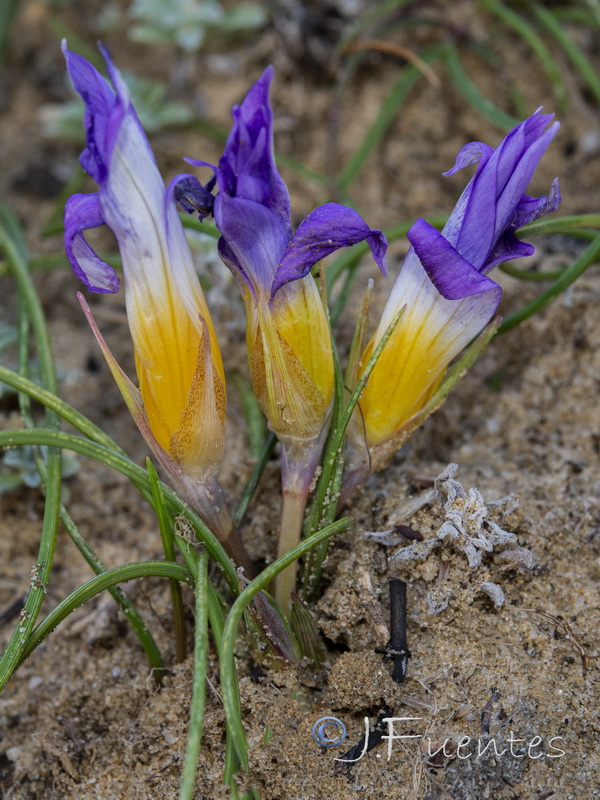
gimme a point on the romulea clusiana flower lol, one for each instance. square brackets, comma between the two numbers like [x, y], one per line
[444, 287]
[287, 330]
[180, 404]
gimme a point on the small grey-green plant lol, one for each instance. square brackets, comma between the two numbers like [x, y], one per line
[187, 23]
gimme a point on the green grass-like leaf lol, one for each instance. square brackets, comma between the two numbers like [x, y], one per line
[408, 79]
[165, 525]
[113, 577]
[194, 739]
[579, 60]
[12, 242]
[530, 36]
[465, 86]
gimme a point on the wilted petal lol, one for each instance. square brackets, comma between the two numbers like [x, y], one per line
[469, 154]
[83, 211]
[325, 230]
[192, 196]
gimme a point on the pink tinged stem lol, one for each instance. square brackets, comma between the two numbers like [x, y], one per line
[299, 460]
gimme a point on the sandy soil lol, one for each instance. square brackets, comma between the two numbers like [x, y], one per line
[83, 718]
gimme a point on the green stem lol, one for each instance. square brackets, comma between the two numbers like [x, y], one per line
[192, 751]
[292, 517]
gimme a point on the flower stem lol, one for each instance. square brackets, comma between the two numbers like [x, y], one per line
[292, 517]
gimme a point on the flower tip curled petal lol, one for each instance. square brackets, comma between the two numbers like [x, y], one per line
[325, 230]
[471, 153]
[83, 211]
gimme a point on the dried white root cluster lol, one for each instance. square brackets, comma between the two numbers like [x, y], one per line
[471, 526]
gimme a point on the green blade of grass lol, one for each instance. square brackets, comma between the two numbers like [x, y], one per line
[131, 613]
[136, 475]
[12, 242]
[478, 101]
[536, 43]
[192, 751]
[324, 506]
[167, 538]
[113, 577]
[529, 275]
[409, 77]
[58, 406]
[589, 74]
[590, 255]
[569, 224]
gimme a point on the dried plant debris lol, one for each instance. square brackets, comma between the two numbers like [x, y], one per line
[473, 528]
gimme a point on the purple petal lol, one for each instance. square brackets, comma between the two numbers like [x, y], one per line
[254, 238]
[521, 169]
[247, 168]
[322, 232]
[83, 211]
[453, 276]
[103, 113]
[494, 199]
[531, 208]
[507, 248]
[469, 154]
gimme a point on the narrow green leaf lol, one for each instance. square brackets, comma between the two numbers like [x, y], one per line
[13, 244]
[136, 475]
[559, 225]
[587, 71]
[192, 751]
[115, 576]
[167, 537]
[590, 255]
[531, 37]
[409, 77]
[529, 275]
[465, 86]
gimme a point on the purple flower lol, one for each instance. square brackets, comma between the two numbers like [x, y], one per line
[443, 284]
[252, 209]
[287, 330]
[180, 404]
